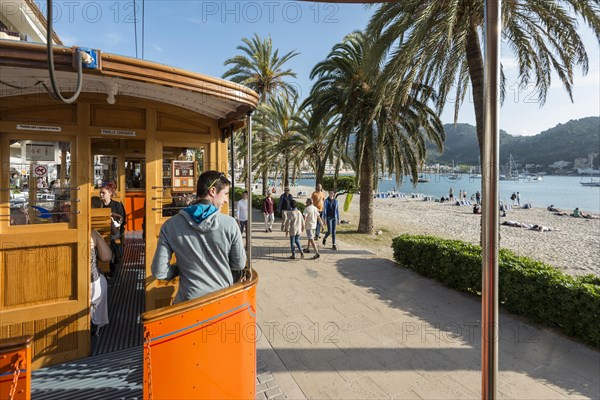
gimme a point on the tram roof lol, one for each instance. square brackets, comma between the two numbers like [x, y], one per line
[25, 66]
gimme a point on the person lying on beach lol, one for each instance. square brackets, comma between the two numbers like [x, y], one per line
[552, 208]
[541, 228]
[517, 224]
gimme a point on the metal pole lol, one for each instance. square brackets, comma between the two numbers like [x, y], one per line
[491, 152]
[232, 143]
[249, 189]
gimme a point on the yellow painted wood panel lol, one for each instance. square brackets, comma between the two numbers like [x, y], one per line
[118, 117]
[51, 336]
[38, 275]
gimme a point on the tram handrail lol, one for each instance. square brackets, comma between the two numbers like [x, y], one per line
[174, 309]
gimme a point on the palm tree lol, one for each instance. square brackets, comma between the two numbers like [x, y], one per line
[315, 141]
[261, 69]
[439, 43]
[276, 123]
[349, 84]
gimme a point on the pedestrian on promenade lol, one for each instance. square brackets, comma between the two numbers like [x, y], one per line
[208, 243]
[294, 226]
[312, 217]
[268, 212]
[318, 199]
[242, 211]
[284, 205]
[332, 216]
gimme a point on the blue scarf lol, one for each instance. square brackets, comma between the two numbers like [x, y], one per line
[200, 212]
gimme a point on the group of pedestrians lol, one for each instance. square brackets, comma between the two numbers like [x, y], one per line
[209, 245]
[319, 211]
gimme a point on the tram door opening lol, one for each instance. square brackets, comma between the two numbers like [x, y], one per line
[123, 162]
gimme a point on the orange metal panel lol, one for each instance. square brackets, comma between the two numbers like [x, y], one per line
[205, 352]
[15, 368]
[135, 209]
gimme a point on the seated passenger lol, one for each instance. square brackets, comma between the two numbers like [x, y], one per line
[18, 216]
[99, 250]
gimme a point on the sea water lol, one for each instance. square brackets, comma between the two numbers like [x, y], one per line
[564, 192]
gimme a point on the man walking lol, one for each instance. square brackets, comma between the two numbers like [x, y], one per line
[242, 211]
[268, 212]
[208, 244]
[312, 217]
[318, 198]
[332, 216]
[284, 206]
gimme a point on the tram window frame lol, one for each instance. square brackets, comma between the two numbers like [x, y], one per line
[180, 152]
[54, 198]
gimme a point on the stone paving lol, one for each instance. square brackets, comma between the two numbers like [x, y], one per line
[351, 325]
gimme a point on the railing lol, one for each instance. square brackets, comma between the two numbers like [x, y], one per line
[203, 348]
[15, 368]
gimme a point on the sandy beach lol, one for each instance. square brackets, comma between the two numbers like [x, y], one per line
[574, 248]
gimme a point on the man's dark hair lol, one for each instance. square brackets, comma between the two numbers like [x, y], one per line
[293, 203]
[211, 179]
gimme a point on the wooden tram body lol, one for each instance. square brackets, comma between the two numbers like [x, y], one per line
[130, 121]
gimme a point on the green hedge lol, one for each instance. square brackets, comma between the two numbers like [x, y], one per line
[526, 287]
[257, 200]
[344, 183]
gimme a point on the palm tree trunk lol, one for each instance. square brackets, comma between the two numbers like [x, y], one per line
[365, 221]
[475, 63]
[286, 172]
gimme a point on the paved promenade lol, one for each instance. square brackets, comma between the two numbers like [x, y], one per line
[351, 325]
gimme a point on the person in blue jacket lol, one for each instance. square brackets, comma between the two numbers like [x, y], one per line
[331, 213]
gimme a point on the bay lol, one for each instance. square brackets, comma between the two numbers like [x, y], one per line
[563, 192]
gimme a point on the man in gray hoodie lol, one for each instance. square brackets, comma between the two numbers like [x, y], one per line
[207, 243]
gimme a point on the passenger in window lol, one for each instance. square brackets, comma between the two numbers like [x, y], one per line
[18, 216]
[118, 219]
[62, 209]
[99, 250]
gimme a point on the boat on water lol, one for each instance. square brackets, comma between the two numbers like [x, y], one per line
[513, 173]
[453, 176]
[592, 182]
[422, 178]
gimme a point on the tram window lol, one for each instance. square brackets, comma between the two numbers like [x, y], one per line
[39, 178]
[174, 199]
[105, 170]
[135, 174]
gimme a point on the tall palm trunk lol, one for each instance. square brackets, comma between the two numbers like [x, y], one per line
[475, 64]
[286, 171]
[365, 222]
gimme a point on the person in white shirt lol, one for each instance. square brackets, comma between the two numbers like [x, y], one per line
[294, 226]
[312, 217]
[242, 211]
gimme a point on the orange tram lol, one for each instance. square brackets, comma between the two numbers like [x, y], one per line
[151, 129]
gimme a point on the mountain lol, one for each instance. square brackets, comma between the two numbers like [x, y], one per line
[568, 141]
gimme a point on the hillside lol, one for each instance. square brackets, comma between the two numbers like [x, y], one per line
[573, 139]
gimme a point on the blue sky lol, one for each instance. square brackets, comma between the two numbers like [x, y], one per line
[200, 35]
